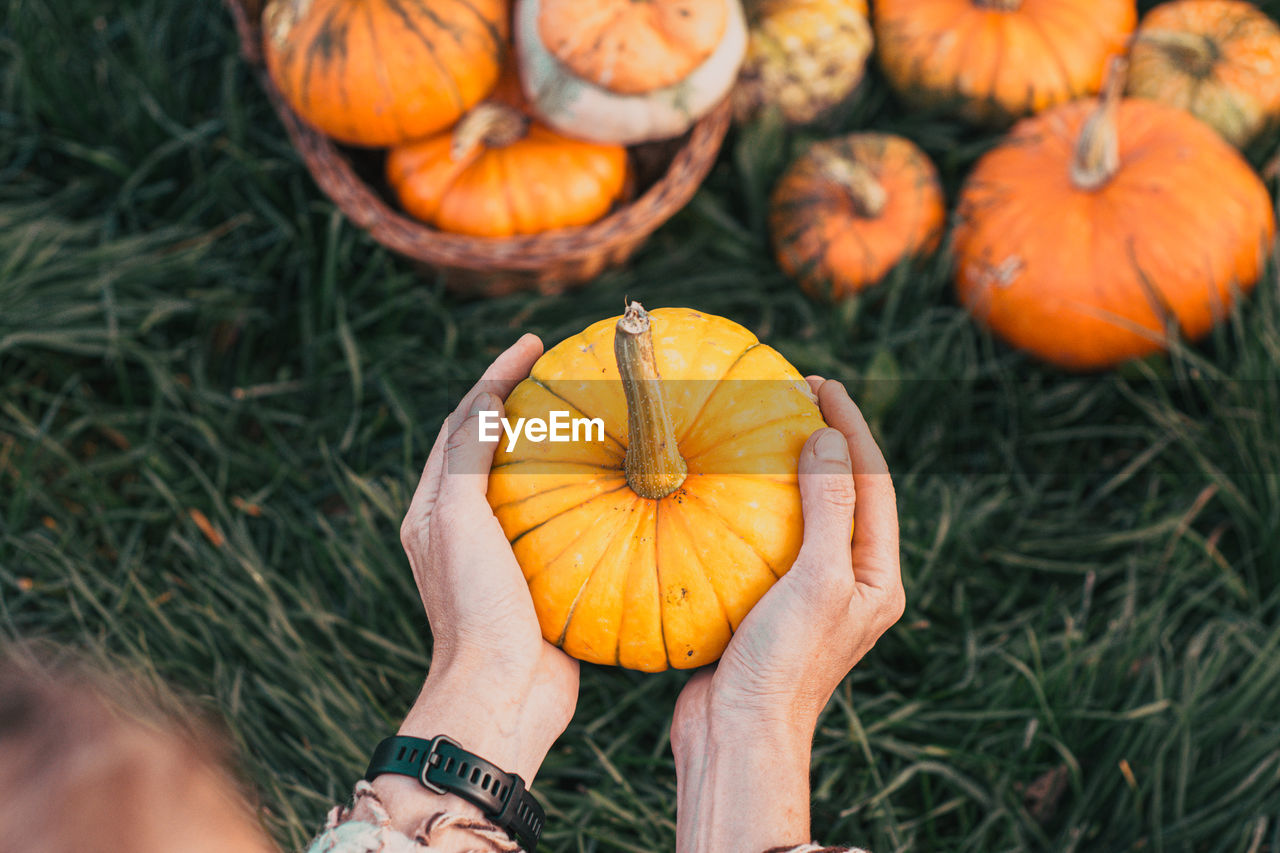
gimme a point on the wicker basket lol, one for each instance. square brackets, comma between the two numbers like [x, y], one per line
[667, 175]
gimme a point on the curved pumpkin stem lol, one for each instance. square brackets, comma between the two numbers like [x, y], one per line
[655, 467]
[999, 5]
[490, 124]
[1097, 156]
[1195, 53]
[868, 194]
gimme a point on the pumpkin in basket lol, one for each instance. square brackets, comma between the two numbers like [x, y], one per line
[627, 71]
[849, 209]
[646, 549]
[381, 72]
[1100, 228]
[995, 60]
[1218, 59]
[803, 57]
[498, 173]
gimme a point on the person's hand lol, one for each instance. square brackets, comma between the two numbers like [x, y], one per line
[742, 729]
[495, 685]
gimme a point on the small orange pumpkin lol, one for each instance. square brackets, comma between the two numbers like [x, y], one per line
[646, 549]
[499, 173]
[1218, 59]
[849, 209]
[380, 72]
[1095, 227]
[995, 60]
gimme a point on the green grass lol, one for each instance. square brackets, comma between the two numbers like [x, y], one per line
[1092, 563]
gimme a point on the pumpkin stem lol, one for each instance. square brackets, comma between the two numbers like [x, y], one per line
[1097, 155]
[490, 124]
[868, 194]
[655, 467]
[1194, 53]
[999, 5]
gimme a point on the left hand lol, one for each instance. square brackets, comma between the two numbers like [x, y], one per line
[839, 597]
[742, 728]
[495, 685]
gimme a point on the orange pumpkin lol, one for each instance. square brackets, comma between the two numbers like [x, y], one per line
[381, 72]
[803, 57]
[627, 71]
[647, 549]
[499, 173]
[632, 46]
[1098, 229]
[849, 209]
[1218, 59]
[995, 60]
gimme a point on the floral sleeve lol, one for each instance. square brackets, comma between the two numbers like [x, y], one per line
[814, 848]
[365, 827]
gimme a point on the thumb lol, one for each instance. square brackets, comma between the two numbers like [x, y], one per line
[468, 458]
[827, 500]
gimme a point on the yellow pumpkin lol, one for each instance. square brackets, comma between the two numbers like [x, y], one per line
[647, 548]
[1217, 59]
[803, 57]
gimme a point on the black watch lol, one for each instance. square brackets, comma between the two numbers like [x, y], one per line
[444, 767]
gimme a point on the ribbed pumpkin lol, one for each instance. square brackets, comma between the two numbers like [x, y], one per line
[995, 60]
[498, 173]
[381, 72]
[631, 46]
[627, 71]
[1218, 59]
[647, 550]
[849, 209]
[1098, 225]
[803, 57]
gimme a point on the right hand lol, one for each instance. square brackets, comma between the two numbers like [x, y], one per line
[495, 684]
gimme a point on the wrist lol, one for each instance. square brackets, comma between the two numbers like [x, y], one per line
[721, 743]
[775, 713]
[512, 724]
[742, 785]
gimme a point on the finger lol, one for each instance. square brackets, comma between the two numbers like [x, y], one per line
[468, 459]
[507, 371]
[827, 499]
[815, 382]
[875, 529]
[501, 377]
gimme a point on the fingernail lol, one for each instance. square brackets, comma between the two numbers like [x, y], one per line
[482, 403]
[832, 447]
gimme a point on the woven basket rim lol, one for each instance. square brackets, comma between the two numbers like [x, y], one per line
[364, 206]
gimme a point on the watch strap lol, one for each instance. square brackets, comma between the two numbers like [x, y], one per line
[441, 765]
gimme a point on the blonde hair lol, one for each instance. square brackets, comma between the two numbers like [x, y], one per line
[95, 761]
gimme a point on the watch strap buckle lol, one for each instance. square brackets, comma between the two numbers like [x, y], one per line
[432, 760]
